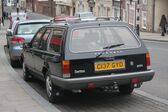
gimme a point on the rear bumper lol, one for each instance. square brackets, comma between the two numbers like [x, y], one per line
[120, 79]
[15, 52]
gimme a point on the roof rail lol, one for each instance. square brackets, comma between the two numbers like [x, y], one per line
[66, 21]
[107, 19]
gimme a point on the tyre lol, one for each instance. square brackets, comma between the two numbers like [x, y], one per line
[126, 89]
[26, 73]
[54, 93]
[14, 63]
[7, 44]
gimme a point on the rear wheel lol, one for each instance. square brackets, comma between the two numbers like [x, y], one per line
[54, 93]
[26, 73]
[126, 89]
[7, 44]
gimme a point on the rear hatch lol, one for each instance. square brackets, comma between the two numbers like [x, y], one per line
[105, 50]
[107, 66]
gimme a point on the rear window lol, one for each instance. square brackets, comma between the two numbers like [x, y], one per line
[28, 29]
[98, 39]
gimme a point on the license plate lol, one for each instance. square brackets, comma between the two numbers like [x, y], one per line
[109, 65]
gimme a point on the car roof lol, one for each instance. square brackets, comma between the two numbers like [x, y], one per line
[35, 21]
[63, 17]
[92, 23]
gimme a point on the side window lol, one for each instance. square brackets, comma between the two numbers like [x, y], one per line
[43, 40]
[56, 40]
[36, 39]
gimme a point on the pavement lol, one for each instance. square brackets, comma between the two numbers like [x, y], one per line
[17, 96]
[153, 37]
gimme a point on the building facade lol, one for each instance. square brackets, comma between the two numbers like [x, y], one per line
[149, 15]
[50, 7]
[22, 4]
[98, 7]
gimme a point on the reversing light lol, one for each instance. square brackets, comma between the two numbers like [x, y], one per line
[66, 68]
[148, 64]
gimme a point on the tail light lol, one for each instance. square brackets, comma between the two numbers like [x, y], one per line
[17, 40]
[135, 80]
[148, 64]
[66, 68]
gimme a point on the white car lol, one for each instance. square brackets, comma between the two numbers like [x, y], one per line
[21, 16]
[85, 16]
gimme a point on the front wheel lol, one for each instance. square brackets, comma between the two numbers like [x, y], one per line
[126, 89]
[54, 93]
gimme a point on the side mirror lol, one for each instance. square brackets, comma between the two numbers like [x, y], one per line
[26, 45]
[9, 32]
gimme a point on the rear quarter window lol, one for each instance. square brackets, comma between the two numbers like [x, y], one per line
[56, 40]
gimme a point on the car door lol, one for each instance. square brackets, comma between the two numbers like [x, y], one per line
[30, 60]
[39, 55]
[55, 50]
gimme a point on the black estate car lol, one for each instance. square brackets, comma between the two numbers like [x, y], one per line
[87, 55]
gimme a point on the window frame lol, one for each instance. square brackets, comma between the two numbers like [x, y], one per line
[61, 45]
[145, 2]
[41, 29]
[144, 18]
[47, 40]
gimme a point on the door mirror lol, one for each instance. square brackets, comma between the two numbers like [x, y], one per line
[26, 45]
[9, 32]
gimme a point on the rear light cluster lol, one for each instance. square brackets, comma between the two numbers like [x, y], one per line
[148, 64]
[17, 40]
[66, 68]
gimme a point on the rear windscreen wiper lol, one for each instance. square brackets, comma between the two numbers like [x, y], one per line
[109, 47]
[113, 46]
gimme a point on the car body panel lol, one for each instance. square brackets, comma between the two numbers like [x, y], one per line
[100, 81]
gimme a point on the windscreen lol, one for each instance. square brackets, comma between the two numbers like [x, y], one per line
[28, 29]
[101, 38]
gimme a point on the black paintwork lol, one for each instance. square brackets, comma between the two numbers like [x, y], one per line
[38, 60]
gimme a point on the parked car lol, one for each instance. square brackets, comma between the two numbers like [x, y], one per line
[23, 31]
[85, 16]
[87, 55]
[66, 19]
[20, 16]
[10, 31]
